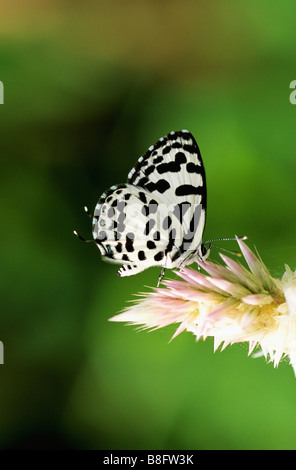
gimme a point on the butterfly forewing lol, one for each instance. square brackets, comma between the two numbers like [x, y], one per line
[173, 170]
[158, 217]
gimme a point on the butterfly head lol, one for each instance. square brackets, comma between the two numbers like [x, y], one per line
[203, 251]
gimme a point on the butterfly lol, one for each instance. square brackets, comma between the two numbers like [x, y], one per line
[158, 217]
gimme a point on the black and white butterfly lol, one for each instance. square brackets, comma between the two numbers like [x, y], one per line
[158, 217]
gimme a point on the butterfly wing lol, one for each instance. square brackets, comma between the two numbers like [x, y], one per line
[128, 229]
[158, 217]
[172, 170]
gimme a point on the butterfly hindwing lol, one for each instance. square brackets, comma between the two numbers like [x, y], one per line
[131, 227]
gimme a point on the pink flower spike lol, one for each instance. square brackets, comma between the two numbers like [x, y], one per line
[257, 299]
[236, 290]
[217, 342]
[230, 303]
[195, 278]
[171, 284]
[225, 307]
[213, 269]
[179, 330]
[234, 267]
[225, 344]
[289, 287]
[241, 273]
[252, 345]
[256, 266]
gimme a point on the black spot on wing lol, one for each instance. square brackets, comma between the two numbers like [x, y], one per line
[192, 168]
[129, 244]
[142, 197]
[174, 166]
[161, 186]
[172, 236]
[176, 145]
[188, 190]
[167, 222]
[190, 148]
[166, 149]
[157, 159]
[159, 256]
[141, 255]
[149, 226]
[118, 247]
[151, 245]
[156, 236]
[149, 170]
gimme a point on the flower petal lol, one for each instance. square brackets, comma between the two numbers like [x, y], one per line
[224, 308]
[195, 278]
[236, 290]
[257, 299]
[242, 274]
[289, 288]
[257, 267]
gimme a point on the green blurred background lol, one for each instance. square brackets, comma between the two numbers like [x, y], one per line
[89, 86]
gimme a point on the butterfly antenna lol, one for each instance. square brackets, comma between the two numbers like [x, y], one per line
[86, 210]
[231, 252]
[82, 238]
[77, 234]
[226, 239]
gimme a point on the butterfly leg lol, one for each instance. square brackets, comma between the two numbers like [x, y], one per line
[162, 271]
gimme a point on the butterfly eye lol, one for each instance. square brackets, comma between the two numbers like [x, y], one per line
[204, 252]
